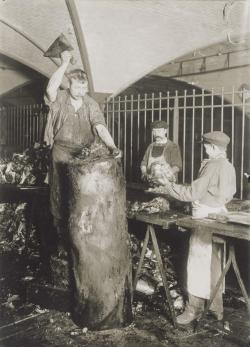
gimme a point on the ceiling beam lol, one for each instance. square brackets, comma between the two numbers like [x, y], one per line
[81, 42]
[203, 72]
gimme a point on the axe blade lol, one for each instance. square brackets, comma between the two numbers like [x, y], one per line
[60, 45]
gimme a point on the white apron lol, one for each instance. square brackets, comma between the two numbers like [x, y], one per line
[200, 254]
[159, 159]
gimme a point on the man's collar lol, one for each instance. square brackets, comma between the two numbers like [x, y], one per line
[163, 142]
[68, 101]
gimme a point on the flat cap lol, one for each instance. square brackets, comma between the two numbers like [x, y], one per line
[217, 138]
[159, 124]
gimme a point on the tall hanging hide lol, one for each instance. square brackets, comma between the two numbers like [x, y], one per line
[100, 244]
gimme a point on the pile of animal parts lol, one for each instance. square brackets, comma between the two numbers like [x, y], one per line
[159, 173]
[149, 288]
[95, 151]
[156, 205]
[27, 168]
[12, 227]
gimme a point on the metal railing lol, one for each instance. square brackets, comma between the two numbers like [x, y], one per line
[189, 115]
[22, 125]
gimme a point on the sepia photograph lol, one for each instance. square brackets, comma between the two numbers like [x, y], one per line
[124, 173]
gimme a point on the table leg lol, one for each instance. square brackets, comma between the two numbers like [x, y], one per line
[241, 284]
[162, 272]
[231, 260]
[143, 252]
[219, 283]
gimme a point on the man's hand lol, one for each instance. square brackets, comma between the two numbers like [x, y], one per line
[116, 153]
[171, 178]
[143, 173]
[66, 57]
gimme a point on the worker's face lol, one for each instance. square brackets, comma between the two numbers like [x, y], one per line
[159, 133]
[212, 150]
[78, 88]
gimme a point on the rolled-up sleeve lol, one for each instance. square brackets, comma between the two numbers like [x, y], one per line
[54, 110]
[96, 115]
[144, 161]
[192, 192]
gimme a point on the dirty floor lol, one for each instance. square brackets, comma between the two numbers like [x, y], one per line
[32, 326]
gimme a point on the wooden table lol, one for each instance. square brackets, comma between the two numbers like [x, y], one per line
[228, 231]
[165, 221]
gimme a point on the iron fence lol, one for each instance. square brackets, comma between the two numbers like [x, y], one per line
[189, 114]
[22, 126]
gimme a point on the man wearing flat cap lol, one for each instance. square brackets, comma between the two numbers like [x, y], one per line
[214, 187]
[162, 157]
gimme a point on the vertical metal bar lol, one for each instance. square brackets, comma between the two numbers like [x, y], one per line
[33, 123]
[27, 141]
[29, 130]
[138, 124]
[131, 134]
[36, 117]
[176, 118]
[242, 144]
[8, 123]
[125, 135]
[5, 122]
[152, 109]
[2, 121]
[113, 118]
[7, 118]
[18, 124]
[12, 129]
[152, 112]
[202, 120]
[232, 137]
[119, 122]
[212, 109]
[222, 109]
[42, 115]
[192, 150]
[107, 115]
[23, 125]
[184, 136]
[14, 126]
[145, 118]
[168, 108]
[160, 104]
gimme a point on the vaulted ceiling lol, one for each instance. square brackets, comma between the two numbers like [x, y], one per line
[118, 41]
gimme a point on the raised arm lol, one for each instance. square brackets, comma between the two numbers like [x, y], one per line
[57, 77]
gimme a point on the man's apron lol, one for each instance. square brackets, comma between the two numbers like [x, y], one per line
[200, 254]
[156, 155]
